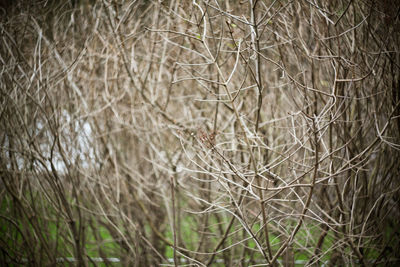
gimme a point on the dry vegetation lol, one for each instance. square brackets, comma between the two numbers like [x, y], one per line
[202, 133]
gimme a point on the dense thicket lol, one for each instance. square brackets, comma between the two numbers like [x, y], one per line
[207, 133]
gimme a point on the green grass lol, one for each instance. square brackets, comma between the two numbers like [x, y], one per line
[307, 237]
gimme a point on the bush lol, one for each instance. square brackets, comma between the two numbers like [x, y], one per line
[223, 133]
